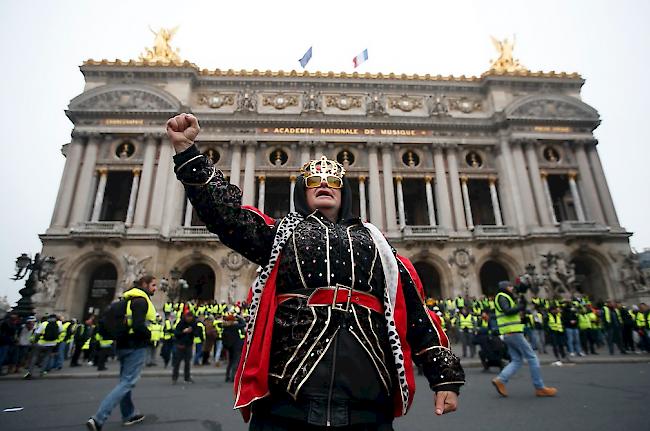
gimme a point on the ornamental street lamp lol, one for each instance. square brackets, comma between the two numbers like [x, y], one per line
[38, 270]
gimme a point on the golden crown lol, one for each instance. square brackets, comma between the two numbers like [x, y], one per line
[323, 166]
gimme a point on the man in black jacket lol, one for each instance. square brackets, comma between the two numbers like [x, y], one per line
[233, 341]
[184, 335]
[131, 352]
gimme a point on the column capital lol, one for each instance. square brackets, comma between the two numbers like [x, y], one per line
[398, 178]
[492, 179]
[386, 145]
[428, 178]
[151, 136]
[572, 175]
[451, 147]
[102, 171]
[362, 179]
[373, 145]
[249, 143]
[261, 178]
[464, 178]
[293, 178]
[78, 134]
[543, 174]
[136, 172]
[236, 143]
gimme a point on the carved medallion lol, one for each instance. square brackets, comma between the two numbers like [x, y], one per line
[405, 103]
[216, 100]
[343, 101]
[280, 101]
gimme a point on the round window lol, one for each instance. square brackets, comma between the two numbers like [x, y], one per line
[473, 159]
[125, 150]
[345, 157]
[410, 159]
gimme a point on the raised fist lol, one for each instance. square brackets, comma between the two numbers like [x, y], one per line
[182, 131]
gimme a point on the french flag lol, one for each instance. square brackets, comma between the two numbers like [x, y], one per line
[360, 58]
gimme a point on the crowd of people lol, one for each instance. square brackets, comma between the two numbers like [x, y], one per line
[567, 328]
[196, 333]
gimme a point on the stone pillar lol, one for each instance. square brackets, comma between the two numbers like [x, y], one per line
[547, 195]
[538, 188]
[452, 164]
[363, 213]
[142, 204]
[495, 201]
[260, 192]
[442, 191]
[173, 211]
[63, 204]
[590, 195]
[389, 191]
[511, 181]
[99, 195]
[134, 194]
[430, 205]
[376, 205]
[525, 190]
[160, 193]
[468, 208]
[249, 174]
[577, 203]
[400, 203]
[235, 163]
[187, 220]
[305, 152]
[292, 190]
[601, 184]
[82, 196]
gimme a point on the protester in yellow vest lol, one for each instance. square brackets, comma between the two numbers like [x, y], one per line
[508, 313]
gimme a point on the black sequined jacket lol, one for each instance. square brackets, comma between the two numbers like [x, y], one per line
[325, 362]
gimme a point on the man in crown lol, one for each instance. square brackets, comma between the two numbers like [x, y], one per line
[337, 317]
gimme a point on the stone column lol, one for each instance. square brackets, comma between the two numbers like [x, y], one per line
[134, 193]
[249, 174]
[452, 164]
[376, 206]
[601, 184]
[400, 203]
[63, 204]
[99, 195]
[82, 196]
[292, 190]
[142, 204]
[442, 191]
[187, 220]
[538, 188]
[576, 196]
[511, 180]
[173, 210]
[547, 195]
[305, 153]
[525, 190]
[468, 208]
[260, 193]
[363, 213]
[495, 201]
[235, 163]
[588, 185]
[389, 191]
[430, 205]
[160, 194]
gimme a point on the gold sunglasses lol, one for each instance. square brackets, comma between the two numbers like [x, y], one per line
[316, 180]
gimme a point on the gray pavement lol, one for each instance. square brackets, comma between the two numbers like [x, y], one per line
[591, 397]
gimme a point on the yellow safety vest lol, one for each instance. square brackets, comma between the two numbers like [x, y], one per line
[507, 324]
[198, 339]
[555, 322]
[150, 317]
[584, 322]
[466, 322]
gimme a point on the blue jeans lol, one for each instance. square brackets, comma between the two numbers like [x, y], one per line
[573, 340]
[198, 353]
[519, 349]
[131, 364]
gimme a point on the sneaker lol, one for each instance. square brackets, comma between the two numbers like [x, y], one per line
[572, 354]
[500, 387]
[189, 380]
[545, 392]
[134, 420]
[581, 354]
[557, 364]
[92, 425]
[27, 376]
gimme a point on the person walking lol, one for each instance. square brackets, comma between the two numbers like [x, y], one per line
[131, 352]
[184, 335]
[508, 312]
[233, 340]
[46, 339]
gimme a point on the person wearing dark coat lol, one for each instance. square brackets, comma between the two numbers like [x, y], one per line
[184, 335]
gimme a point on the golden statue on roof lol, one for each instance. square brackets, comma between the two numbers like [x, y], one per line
[162, 50]
[505, 63]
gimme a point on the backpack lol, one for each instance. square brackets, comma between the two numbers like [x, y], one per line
[112, 322]
[51, 332]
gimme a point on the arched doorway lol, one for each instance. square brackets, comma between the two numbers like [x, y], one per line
[201, 282]
[589, 278]
[101, 288]
[491, 274]
[430, 279]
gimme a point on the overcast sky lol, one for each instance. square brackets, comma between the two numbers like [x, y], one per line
[44, 42]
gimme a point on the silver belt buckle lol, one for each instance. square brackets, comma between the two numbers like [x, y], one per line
[336, 306]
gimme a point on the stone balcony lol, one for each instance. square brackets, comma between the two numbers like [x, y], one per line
[493, 231]
[101, 229]
[431, 232]
[582, 227]
[185, 233]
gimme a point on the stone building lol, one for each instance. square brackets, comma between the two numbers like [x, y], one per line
[475, 179]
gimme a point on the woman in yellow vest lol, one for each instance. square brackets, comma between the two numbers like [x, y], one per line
[556, 332]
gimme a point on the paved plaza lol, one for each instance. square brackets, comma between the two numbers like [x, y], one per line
[591, 397]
